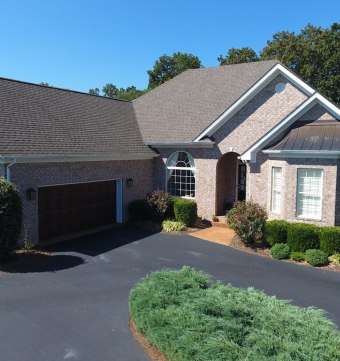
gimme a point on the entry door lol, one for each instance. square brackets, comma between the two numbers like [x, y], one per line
[71, 208]
[241, 187]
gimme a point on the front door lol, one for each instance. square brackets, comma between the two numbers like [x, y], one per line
[241, 186]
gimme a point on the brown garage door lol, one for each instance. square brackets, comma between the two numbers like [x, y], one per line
[72, 208]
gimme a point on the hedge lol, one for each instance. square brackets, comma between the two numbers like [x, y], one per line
[276, 232]
[316, 258]
[302, 236]
[185, 211]
[330, 240]
[280, 251]
[139, 210]
[10, 217]
[189, 316]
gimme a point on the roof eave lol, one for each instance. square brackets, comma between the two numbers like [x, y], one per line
[325, 154]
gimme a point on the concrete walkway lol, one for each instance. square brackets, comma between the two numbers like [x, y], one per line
[218, 235]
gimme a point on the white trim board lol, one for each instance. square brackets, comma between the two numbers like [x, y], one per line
[309, 103]
[278, 69]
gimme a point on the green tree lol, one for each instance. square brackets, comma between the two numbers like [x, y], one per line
[313, 54]
[167, 67]
[94, 91]
[111, 91]
[237, 56]
[45, 84]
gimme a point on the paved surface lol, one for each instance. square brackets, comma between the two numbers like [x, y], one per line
[218, 235]
[81, 312]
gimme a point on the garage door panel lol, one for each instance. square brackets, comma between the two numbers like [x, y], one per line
[73, 208]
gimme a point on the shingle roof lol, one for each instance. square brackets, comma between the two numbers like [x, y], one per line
[184, 106]
[38, 120]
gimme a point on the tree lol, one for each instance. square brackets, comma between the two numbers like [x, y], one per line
[314, 55]
[167, 67]
[45, 84]
[238, 56]
[94, 91]
[111, 91]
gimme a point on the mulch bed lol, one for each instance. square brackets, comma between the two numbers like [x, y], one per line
[151, 351]
[259, 249]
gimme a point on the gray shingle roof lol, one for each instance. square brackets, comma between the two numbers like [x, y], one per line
[183, 107]
[38, 120]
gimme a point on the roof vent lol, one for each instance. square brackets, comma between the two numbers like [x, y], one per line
[280, 87]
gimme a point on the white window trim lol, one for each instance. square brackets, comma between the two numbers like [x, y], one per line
[180, 168]
[272, 190]
[297, 196]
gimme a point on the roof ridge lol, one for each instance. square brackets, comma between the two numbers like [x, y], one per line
[62, 89]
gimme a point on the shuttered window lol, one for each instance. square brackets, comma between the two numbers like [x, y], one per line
[276, 189]
[309, 193]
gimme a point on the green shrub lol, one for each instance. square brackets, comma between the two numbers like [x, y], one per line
[139, 210]
[316, 258]
[185, 211]
[280, 251]
[302, 236]
[330, 240]
[247, 219]
[297, 256]
[173, 226]
[10, 217]
[335, 258]
[275, 232]
[159, 202]
[189, 317]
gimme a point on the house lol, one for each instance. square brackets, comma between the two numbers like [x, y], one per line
[216, 135]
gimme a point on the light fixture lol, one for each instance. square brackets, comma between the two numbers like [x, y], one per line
[31, 194]
[129, 182]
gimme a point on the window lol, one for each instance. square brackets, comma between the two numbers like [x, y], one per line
[309, 193]
[276, 189]
[181, 175]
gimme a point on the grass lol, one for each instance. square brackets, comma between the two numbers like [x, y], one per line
[188, 317]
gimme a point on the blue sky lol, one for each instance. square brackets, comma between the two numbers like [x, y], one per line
[82, 44]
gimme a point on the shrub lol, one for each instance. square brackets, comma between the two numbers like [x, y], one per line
[185, 211]
[139, 210]
[173, 226]
[159, 202]
[275, 232]
[302, 236]
[280, 251]
[316, 258]
[297, 256]
[248, 220]
[330, 240]
[335, 258]
[10, 217]
[189, 317]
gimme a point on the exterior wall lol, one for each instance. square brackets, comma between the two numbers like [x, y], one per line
[2, 170]
[337, 196]
[27, 176]
[257, 117]
[259, 186]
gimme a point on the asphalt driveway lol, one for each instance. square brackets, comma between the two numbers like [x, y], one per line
[80, 311]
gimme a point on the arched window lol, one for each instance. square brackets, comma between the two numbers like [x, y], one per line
[180, 174]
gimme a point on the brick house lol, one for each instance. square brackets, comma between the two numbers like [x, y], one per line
[215, 135]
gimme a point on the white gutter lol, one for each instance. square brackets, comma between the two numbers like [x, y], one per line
[325, 154]
[200, 144]
[7, 169]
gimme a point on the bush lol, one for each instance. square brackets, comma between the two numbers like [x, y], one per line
[173, 226]
[10, 217]
[280, 251]
[330, 240]
[335, 258]
[189, 317]
[302, 236]
[185, 211]
[139, 210]
[275, 232]
[297, 256]
[316, 258]
[159, 202]
[247, 219]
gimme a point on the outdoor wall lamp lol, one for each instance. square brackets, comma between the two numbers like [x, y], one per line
[129, 182]
[31, 194]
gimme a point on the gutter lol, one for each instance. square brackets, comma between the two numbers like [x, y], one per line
[199, 144]
[7, 167]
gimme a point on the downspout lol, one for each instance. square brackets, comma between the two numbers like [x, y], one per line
[8, 171]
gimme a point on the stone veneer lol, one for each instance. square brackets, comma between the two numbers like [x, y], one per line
[26, 176]
[256, 118]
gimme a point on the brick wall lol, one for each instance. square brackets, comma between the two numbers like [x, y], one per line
[39, 174]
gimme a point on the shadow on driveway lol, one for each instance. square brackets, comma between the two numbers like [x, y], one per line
[102, 242]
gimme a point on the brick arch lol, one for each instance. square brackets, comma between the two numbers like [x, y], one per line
[226, 177]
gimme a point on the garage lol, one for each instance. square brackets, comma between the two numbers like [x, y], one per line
[69, 209]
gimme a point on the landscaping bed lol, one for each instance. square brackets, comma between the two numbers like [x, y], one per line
[187, 316]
